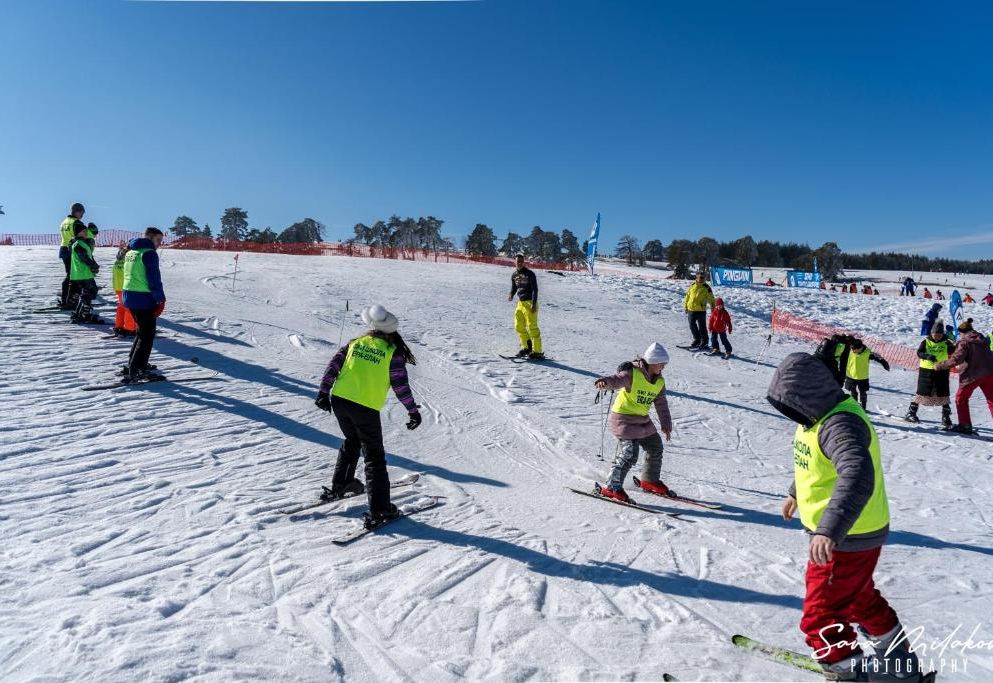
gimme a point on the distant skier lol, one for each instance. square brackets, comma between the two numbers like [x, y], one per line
[68, 232]
[928, 322]
[840, 496]
[967, 299]
[83, 270]
[144, 298]
[932, 384]
[927, 294]
[639, 385]
[524, 284]
[857, 370]
[354, 388]
[974, 358]
[124, 325]
[875, 291]
[698, 297]
[853, 289]
[720, 326]
[988, 299]
[939, 296]
[909, 286]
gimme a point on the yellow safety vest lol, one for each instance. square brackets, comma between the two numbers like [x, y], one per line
[365, 375]
[639, 400]
[858, 365]
[66, 230]
[77, 269]
[815, 476]
[135, 275]
[937, 349]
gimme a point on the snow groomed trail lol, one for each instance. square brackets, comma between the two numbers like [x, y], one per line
[141, 529]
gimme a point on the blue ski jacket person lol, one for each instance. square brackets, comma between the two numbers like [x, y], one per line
[146, 301]
[928, 322]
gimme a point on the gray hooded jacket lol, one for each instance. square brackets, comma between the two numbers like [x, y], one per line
[803, 389]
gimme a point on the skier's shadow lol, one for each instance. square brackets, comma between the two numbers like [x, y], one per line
[601, 573]
[727, 404]
[180, 328]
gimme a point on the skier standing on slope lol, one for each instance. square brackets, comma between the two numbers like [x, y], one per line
[640, 386]
[932, 384]
[82, 276]
[975, 360]
[698, 297]
[354, 388]
[720, 326]
[524, 284]
[145, 299]
[927, 323]
[839, 493]
[68, 232]
[857, 370]
[124, 325]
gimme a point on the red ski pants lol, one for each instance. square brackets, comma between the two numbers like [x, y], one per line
[964, 393]
[124, 320]
[840, 593]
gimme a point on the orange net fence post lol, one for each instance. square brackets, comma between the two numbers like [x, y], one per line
[786, 323]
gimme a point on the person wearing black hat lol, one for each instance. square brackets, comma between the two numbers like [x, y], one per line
[67, 232]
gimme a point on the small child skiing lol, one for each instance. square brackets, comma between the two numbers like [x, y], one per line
[124, 324]
[719, 326]
[857, 370]
[639, 385]
[82, 276]
[932, 384]
[354, 389]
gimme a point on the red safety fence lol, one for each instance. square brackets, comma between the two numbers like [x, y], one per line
[784, 322]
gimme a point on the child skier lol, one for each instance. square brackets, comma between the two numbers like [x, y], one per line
[354, 388]
[839, 493]
[640, 385]
[82, 276]
[719, 326]
[932, 384]
[857, 370]
[124, 324]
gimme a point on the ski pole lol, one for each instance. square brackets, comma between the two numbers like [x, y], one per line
[341, 331]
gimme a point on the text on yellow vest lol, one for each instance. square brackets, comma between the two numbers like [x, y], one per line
[135, 276]
[365, 374]
[639, 400]
[937, 349]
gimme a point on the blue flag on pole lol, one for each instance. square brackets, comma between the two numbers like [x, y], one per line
[591, 245]
[954, 308]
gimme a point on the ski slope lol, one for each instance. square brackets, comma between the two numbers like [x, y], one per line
[141, 538]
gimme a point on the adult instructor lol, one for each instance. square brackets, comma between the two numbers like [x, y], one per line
[698, 297]
[145, 299]
[524, 284]
[70, 227]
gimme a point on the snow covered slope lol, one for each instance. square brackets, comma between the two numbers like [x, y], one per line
[141, 538]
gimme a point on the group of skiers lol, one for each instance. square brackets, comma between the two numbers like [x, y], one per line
[135, 278]
[699, 295]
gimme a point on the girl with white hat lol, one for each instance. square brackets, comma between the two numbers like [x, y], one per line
[354, 388]
[639, 385]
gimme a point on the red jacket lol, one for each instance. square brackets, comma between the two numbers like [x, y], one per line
[720, 320]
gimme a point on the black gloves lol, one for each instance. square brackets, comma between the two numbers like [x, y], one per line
[323, 402]
[929, 357]
[885, 363]
[415, 421]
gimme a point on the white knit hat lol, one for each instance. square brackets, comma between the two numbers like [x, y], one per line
[380, 319]
[655, 353]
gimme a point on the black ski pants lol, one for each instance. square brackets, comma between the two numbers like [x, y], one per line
[859, 389]
[363, 434]
[66, 261]
[698, 327]
[141, 349]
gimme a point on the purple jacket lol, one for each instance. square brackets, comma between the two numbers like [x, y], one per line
[629, 427]
[398, 377]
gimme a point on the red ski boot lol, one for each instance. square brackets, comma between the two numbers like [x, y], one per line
[619, 494]
[656, 487]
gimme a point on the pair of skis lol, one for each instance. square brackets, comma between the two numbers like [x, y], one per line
[523, 359]
[785, 656]
[595, 493]
[121, 383]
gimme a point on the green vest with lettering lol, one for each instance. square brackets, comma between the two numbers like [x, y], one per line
[365, 375]
[66, 230]
[858, 365]
[135, 277]
[639, 400]
[77, 269]
[815, 476]
[937, 349]
[117, 275]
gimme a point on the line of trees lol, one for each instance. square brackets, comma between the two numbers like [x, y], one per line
[404, 234]
[538, 245]
[235, 227]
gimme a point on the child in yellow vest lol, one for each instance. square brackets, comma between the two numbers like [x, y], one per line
[639, 385]
[857, 370]
[124, 324]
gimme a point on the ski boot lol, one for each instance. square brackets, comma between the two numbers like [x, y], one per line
[536, 355]
[618, 494]
[911, 415]
[962, 429]
[893, 660]
[727, 356]
[853, 668]
[525, 351]
[946, 417]
[714, 352]
[352, 488]
[656, 487]
[371, 521]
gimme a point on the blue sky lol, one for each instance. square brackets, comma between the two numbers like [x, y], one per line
[867, 123]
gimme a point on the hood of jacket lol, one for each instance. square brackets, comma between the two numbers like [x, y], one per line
[803, 389]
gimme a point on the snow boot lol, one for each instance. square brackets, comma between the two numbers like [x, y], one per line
[946, 417]
[656, 487]
[371, 520]
[619, 494]
[911, 415]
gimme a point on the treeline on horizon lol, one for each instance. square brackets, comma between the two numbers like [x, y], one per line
[682, 255]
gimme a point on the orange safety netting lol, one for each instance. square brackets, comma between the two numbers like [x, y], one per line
[784, 322]
[104, 238]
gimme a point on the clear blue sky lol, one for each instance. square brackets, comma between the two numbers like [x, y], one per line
[870, 123]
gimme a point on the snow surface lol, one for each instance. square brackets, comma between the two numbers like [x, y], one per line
[140, 538]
